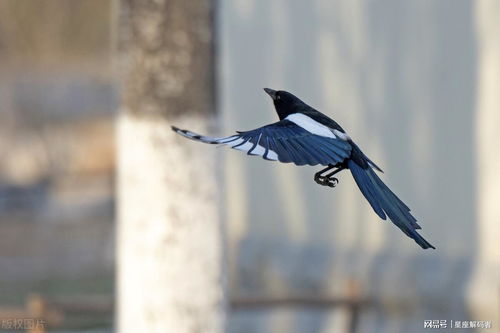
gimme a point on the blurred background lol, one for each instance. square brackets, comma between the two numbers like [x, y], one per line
[415, 83]
[58, 100]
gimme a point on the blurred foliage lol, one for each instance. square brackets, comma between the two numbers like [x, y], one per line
[50, 31]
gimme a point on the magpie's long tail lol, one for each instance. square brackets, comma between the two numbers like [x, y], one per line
[385, 203]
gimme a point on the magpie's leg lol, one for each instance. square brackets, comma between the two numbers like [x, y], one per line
[332, 181]
[321, 179]
[318, 174]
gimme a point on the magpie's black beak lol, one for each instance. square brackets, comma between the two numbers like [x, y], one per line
[271, 93]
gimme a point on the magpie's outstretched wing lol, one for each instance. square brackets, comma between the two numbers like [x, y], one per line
[283, 141]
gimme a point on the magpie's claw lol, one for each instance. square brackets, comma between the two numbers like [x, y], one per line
[330, 182]
[319, 180]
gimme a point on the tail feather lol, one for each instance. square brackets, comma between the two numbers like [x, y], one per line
[385, 203]
[373, 165]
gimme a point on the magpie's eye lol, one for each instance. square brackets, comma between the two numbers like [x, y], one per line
[278, 97]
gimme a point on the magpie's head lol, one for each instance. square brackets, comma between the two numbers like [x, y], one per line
[286, 103]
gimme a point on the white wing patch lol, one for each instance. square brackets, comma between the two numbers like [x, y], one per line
[343, 136]
[244, 147]
[257, 150]
[228, 139]
[234, 141]
[271, 155]
[311, 125]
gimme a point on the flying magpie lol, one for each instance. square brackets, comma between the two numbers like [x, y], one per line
[305, 136]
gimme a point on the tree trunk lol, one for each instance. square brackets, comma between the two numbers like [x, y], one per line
[169, 246]
[483, 289]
